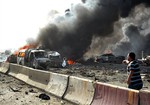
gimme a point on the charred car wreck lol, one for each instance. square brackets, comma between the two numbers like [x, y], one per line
[39, 59]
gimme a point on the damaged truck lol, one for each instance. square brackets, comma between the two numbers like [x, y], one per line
[39, 59]
[34, 58]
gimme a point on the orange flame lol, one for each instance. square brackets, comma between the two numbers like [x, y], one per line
[25, 47]
[70, 62]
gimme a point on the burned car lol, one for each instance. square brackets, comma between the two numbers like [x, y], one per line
[105, 58]
[35, 58]
[55, 59]
[119, 59]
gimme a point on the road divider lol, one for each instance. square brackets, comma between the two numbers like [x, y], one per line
[80, 91]
[106, 94]
[38, 78]
[23, 74]
[14, 69]
[57, 84]
[145, 97]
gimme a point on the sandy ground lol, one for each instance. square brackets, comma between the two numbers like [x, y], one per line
[15, 92]
[115, 74]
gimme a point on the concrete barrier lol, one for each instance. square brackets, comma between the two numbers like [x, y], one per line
[4, 67]
[38, 78]
[106, 94]
[57, 84]
[79, 91]
[127, 96]
[23, 73]
[53, 83]
[144, 97]
[14, 69]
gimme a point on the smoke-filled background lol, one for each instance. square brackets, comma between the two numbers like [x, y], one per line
[94, 26]
[135, 32]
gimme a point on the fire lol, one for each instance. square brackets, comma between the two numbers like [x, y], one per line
[25, 47]
[70, 62]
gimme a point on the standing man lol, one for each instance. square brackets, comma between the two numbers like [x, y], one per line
[134, 80]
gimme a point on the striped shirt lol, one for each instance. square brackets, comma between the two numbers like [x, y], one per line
[136, 77]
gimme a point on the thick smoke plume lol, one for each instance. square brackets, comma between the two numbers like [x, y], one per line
[136, 32]
[90, 23]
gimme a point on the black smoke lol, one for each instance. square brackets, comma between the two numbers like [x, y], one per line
[83, 1]
[133, 41]
[127, 5]
[72, 34]
[136, 33]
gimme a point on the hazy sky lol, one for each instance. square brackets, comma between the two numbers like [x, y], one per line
[21, 19]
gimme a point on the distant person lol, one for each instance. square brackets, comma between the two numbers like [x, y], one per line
[134, 80]
[64, 63]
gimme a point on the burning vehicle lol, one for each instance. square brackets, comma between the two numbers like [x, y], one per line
[20, 57]
[55, 59]
[37, 59]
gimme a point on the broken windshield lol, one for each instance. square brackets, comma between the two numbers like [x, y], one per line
[40, 55]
